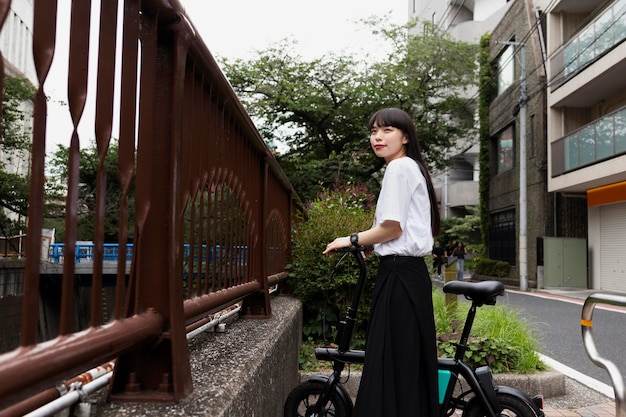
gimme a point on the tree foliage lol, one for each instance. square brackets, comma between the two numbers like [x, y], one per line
[14, 146]
[319, 108]
[89, 163]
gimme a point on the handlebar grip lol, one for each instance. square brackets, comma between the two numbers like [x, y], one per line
[354, 249]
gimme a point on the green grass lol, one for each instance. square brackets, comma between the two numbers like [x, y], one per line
[500, 338]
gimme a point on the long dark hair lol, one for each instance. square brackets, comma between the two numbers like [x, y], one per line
[400, 119]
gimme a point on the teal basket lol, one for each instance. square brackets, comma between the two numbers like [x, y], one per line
[444, 380]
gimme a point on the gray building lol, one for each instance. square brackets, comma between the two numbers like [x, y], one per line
[457, 186]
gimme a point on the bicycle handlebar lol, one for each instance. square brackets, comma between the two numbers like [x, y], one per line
[367, 248]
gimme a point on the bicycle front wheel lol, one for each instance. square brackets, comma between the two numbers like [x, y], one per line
[511, 406]
[303, 398]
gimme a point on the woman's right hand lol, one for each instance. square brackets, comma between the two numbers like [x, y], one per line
[340, 242]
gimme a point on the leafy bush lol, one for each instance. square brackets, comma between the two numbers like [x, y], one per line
[492, 267]
[325, 294]
[500, 337]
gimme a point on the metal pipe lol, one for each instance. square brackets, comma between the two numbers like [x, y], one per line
[214, 322]
[77, 392]
[586, 322]
[198, 306]
[52, 394]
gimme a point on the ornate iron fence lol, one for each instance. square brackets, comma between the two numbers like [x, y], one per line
[197, 180]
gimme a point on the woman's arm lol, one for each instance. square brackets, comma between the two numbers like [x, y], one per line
[384, 232]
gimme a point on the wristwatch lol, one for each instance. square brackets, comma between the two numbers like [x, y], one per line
[354, 239]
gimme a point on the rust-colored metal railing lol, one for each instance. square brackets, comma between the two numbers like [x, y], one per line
[203, 201]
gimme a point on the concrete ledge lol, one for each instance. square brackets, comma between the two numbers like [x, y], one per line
[247, 371]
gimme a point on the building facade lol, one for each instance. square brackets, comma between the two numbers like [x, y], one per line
[16, 39]
[457, 186]
[586, 117]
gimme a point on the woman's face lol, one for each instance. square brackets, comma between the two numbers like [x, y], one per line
[388, 142]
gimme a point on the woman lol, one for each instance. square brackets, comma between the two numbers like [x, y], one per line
[460, 251]
[400, 373]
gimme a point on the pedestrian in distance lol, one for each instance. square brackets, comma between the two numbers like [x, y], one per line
[449, 248]
[399, 375]
[460, 251]
[438, 256]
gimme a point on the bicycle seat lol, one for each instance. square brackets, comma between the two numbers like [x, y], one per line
[484, 292]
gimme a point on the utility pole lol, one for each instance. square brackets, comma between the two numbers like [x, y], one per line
[523, 239]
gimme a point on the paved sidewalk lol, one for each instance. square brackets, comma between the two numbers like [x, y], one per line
[600, 410]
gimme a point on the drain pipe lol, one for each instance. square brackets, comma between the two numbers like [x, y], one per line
[77, 392]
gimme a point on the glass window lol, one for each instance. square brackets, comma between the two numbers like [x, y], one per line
[604, 32]
[571, 152]
[587, 140]
[620, 131]
[505, 150]
[506, 67]
[570, 57]
[585, 46]
[604, 138]
[619, 16]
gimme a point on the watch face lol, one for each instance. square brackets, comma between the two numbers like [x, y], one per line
[354, 239]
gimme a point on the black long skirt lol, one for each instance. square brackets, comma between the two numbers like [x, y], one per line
[400, 373]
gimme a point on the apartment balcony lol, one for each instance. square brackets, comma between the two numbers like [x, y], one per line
[591, 156]
[589, 67]
[586, 117]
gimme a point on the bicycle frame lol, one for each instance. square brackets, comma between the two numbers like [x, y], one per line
[480, 382]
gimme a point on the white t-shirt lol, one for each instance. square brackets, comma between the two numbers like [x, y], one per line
[404, 198]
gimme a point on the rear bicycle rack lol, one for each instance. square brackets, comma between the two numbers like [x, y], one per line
[586, 323]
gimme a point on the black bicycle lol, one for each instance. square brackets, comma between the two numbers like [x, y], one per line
[462, 389]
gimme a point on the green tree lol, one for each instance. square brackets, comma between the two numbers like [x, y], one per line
[14, 146]
[319, 108]
[89, 162]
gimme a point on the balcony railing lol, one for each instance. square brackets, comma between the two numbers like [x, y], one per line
[603, 139]
[604, 33]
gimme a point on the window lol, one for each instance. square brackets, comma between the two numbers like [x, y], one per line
[505, 150]
[502, 236]
[506, 69]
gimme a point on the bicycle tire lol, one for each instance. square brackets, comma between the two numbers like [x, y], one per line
[305, 395]
[511, 406]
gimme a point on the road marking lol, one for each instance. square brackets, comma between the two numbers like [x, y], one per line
[592, 383]
[571, 300]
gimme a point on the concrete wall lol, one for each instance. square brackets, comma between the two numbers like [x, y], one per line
[246, 371]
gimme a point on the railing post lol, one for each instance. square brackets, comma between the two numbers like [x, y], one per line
[162, 370]
[258, 305]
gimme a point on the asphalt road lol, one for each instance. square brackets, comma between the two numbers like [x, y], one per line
[557, 323]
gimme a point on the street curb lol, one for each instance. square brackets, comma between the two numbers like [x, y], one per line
[547, 383]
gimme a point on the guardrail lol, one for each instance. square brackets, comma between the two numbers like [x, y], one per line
[192, 169]
[586, 325]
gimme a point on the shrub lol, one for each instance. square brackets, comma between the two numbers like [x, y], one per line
[500, 337]
[326, 295]
[492, 267]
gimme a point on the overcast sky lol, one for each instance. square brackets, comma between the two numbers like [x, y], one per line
[234, 29]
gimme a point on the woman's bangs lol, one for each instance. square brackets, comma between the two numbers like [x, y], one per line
[387, 117]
